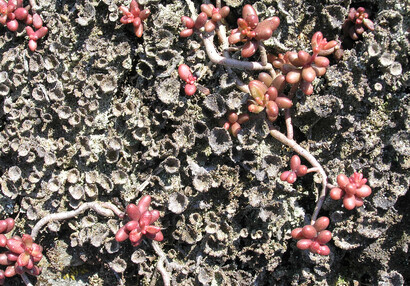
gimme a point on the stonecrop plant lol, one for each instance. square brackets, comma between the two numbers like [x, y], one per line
[269, 92]
[135, 15]
[272, 84]
[267, 98]
[186, 75]
[13, 14]
[296, 170]
[300, 68]
[352, 190]
[141, 223]
[356, 23]
[21, 255]
[191, 84]
[250, 32]
[314, 237]
[233, 125]
[207, 19]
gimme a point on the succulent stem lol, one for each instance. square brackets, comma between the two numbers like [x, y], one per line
[288, 121]
[160, 264]
[102, 208]
[25, 279]
[311, 159]
[264, 56]
[216, 58]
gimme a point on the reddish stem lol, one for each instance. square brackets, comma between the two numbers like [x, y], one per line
[311, 159]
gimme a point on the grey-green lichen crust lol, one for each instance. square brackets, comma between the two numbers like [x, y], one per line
[98, 114]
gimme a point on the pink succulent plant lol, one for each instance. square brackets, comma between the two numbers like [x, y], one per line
[352, 190]
[13, 11]
[356, 23]
[135, 15]
[264, 97]
[141, 223]
[301, 68]
[297, 170]
[22, 253]
[6, 225]
[24, 250]
[234, 122]
[208, 19]
[314, 237]
[186, 75]
[34, 36]
[250, 31]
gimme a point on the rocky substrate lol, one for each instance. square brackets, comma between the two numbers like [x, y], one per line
[97, 114]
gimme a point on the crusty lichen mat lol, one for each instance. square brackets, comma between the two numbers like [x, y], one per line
[203, 142]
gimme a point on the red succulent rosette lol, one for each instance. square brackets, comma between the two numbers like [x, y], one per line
[12, 12]
[21, 253]
[301, 68]
[134, 15]
[314, 237]
[297, 170]
[141, 223]
[233, 125]
[356, 23]
[214, 14]
[250, 31]
[264, 97]
[352, 190]
[24, 251]
[186, 75]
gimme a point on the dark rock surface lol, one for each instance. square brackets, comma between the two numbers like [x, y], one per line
[98, 114]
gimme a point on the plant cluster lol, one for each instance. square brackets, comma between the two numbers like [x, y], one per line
[356, 23]
[191, 85]
[207, 19]
[296, 170]
[186, 75]
[265, 95]
[234, 122]
[251, 32]
[314, 237]
[141, 223]
[352, 190]
[21, 255]
[134, 15]
[13, 12]
[299, 70]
